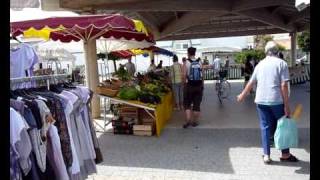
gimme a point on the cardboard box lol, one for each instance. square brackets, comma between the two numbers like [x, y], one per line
[142, 128]
[142, 133]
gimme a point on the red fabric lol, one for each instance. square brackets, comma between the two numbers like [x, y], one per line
[114, 25]
[122, 54]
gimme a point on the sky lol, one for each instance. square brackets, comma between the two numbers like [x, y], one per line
[36, 13]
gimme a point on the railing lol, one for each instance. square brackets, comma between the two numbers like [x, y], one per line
[233, 73]
[300, 75]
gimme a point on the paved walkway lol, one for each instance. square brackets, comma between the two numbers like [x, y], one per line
[226, 145]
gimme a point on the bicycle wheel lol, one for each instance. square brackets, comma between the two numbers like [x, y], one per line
[225, 89]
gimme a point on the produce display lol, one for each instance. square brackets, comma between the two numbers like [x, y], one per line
[122, 74]
[147, 88]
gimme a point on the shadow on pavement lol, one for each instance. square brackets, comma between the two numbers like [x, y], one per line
[204, 150]
[226, 141]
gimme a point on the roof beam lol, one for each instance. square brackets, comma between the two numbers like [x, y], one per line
[265, 16]
[149, 5]
[187, 20]
[223, 34]
[301, 15]
[241, 5]
[226, 25]
[193, 18]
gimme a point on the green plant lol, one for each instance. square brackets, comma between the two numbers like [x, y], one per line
[260, 41]
[254, 53]
[304, 41]
[281, 48]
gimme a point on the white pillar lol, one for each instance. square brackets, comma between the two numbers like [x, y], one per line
[293, 49]
[151, 54]
[92, 76]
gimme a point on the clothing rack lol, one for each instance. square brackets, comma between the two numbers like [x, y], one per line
[47, 78]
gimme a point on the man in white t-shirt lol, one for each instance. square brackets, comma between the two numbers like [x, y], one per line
[130, 67]
[216, 66]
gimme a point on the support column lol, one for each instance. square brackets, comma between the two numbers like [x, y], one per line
[151, 54]
[92, 75]
[293, 49]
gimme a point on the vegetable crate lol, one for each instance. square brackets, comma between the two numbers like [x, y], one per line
[106, 91]
[121, 126]
[128, 111]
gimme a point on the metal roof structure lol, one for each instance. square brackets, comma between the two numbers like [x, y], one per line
[190, 19]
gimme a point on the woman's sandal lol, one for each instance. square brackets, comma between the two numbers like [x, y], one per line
[291, 158]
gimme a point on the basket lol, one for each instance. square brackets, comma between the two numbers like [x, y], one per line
[106, 91]
[116, 82]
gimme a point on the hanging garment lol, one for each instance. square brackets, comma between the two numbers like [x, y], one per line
[75, 167]
[20, 140]
[56, 108]
[79, 133]
[22, 61]
[55, 154]
[15, 173]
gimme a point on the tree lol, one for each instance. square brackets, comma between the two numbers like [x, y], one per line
[260, 41]
[304, 41]
[256, 54]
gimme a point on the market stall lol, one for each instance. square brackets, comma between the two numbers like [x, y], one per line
[118, 32]
[148, 97]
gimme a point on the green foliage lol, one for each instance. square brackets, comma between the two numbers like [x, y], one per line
[304, 41]
[261, 40]
[254, 53]
[281, 48]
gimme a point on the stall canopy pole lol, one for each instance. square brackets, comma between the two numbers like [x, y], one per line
[92, 77]
[135, 62]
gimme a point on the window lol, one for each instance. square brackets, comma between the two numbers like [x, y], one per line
[185, 46]
[178, 46]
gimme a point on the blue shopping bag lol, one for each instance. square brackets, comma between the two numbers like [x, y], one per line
[286, 135]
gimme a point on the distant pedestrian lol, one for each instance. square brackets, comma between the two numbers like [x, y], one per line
[226, 65]
[152, 66]
[193, 89]
[160, 65]
[176, 80]
[248, 70]
[272, 99]
[216, 66]
[130, 67]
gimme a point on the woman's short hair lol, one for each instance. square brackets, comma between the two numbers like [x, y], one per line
[271, 48]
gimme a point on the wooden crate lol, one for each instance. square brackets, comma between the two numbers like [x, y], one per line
[106, 91]
[142, 133]
[143, 130]
[142, 127]
[128, 111]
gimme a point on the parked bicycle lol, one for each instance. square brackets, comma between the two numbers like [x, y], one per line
[223, 87]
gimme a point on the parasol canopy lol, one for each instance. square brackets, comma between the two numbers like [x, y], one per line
[158, 50]
[124, 54]
[66, 29]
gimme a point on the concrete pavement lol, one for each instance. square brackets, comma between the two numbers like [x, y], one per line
[226, 145]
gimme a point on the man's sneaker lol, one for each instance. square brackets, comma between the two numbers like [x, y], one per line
[186, 125]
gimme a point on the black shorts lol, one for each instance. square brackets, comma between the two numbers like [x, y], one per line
[193, 95]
